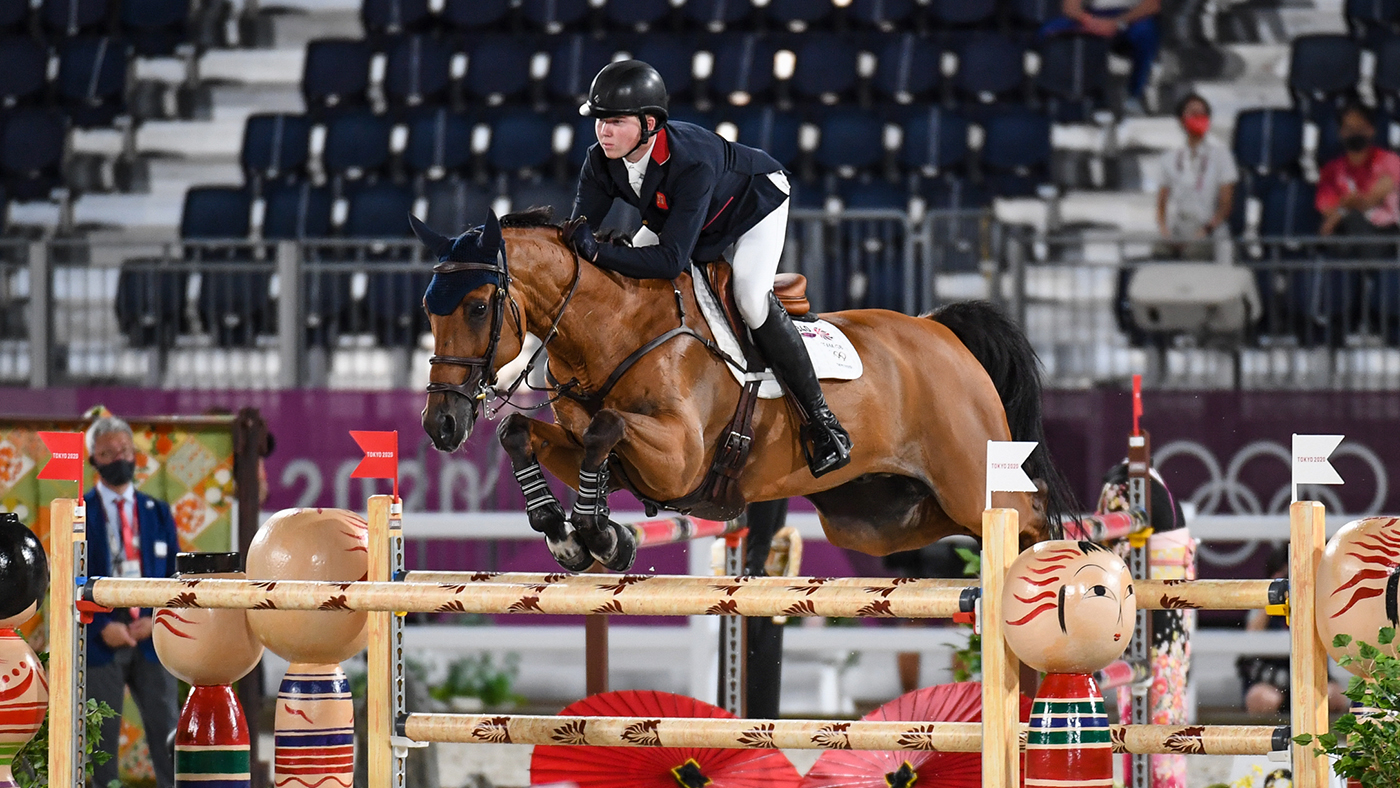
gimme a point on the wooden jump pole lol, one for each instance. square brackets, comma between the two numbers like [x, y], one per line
[1308, 537]
[1001, 670]
[67, 646]
[384, 700]
[810, 734]
[1151, 594]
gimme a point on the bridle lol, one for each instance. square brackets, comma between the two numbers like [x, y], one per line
[481, 370]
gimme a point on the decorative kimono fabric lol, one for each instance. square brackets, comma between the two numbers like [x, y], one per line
[1069, 740]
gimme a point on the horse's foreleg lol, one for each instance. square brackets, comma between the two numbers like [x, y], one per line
[610, 543]
[546, 514]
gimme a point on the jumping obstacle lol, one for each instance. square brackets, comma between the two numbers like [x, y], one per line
[391, 727]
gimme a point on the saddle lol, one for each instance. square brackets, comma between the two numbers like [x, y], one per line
[718, 496]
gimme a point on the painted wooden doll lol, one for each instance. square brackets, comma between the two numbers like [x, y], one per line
[1069, 611]
[24, 689]
[315, 717]
[1358, 591]
[209, 650]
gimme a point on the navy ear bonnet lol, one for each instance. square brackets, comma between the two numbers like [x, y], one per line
[480, 245]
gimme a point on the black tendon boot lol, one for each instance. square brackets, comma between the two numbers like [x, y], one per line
[782, 347]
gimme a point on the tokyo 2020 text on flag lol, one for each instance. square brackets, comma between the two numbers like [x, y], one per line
[1004, 472]
[1310, 464]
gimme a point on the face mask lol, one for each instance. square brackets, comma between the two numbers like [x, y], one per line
[1356, 142]
[1196, 125]
[117, 472]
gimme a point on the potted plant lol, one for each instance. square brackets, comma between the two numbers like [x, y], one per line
[1367, 747]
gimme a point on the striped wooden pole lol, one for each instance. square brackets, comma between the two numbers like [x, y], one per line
[1001, 670]
[1308, 537]
[1151, 594]
[725, 733]
[67, 655]
[613, 596]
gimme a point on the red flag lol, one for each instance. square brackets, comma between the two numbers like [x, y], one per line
[1137, 403]
[381, 456]
[67, 451]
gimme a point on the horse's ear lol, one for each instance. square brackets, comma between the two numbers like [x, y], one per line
[491, 232]
[436, 242]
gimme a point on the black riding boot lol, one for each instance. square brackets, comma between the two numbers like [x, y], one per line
[782, 347]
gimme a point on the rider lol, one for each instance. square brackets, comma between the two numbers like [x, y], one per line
[698, 194]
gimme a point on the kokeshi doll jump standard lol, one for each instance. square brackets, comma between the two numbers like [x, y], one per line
[315, 716]
[24, 689]
[209, 649]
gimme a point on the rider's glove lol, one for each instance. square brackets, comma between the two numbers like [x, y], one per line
[578, 237]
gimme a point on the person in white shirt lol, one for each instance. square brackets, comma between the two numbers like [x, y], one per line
[1197, 185]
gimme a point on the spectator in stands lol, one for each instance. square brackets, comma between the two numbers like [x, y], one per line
[1131, 24]
[1198, 185]
[129, 534]
[1357, 191]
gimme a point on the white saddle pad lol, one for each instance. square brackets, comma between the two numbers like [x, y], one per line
[833, 356]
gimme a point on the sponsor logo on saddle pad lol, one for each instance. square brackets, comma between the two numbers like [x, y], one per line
[833, 355]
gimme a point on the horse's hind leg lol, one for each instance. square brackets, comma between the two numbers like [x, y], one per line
[545, 512]
[610, 543]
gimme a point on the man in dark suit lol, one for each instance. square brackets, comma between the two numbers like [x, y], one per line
[129, 534]
[698, 195]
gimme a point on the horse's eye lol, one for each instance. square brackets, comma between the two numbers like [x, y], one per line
[478, 310]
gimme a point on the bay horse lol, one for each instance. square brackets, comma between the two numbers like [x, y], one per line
[647, 399]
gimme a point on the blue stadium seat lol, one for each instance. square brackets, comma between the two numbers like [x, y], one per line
[872, 194]
[768, 129]
[32, 142]
[92, 79]
[554, 16]
[357, 145]
[573, 63]
[909, 69]
[24, 76]
[233, 305]
[743, 67]
[1268, 142]
[1371, 21]
[75, 17]
[990, 68]
[156, 27]
[275, 147]
[883, 15]
[690, 114]
[455, 205]
[520, 141]
[962, 13]
[379, 212]
[475, 15]
[1073, 76]
[1323, 71]
[1034, 13]
[673, 57]
[539, 190]
[1387, 77]
[1316, 305]
[418, 71]
[851, 141]
[395, 17]
[439, 144]
[297, 212]
[638, 15]
[826, 68]
[715, 16]
[935, 141]
[393, 300]
[1016, 153]
[800, 15]
[217, 213]
[498, 68]
[14, 15]
[584, 138]
[336, 75]
[953, 194]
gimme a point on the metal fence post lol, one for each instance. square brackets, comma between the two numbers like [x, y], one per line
[290, 322]
[1016, 265]
[814, 262]
[40, 315]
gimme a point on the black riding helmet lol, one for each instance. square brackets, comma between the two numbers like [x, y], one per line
[628, 87]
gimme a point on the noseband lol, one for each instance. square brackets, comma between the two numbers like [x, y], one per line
[481, 370]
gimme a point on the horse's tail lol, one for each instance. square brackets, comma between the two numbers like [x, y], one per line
[1001, 347]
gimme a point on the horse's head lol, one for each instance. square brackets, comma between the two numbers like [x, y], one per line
[469, 306]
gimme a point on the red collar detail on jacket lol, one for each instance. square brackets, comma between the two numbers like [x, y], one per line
[661, 150]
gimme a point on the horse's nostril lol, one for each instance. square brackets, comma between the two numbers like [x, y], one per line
[447, 426]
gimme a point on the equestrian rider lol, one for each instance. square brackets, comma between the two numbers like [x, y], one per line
[698, 195]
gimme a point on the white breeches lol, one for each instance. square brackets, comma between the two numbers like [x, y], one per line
[756, 257]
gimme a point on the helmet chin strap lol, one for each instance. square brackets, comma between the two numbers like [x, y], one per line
[642, 140]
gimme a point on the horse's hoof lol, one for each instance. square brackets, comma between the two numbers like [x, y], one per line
[623, 552]
[570, 553]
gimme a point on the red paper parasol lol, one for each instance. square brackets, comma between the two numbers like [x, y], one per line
[961, 702]
[657, 767]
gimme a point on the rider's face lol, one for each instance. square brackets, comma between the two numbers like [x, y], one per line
[617, 136]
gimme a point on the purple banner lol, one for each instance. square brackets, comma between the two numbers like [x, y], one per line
[1225, 452]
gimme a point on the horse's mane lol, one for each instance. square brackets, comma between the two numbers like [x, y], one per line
[543, 216]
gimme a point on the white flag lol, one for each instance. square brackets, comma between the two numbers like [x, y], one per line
[1004, 473]
[1310, 465]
